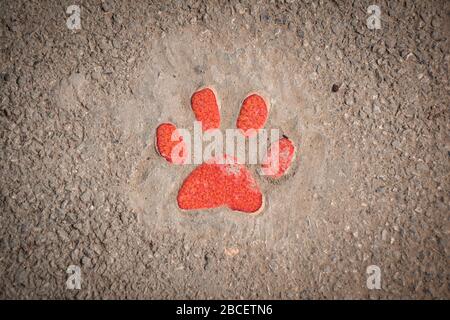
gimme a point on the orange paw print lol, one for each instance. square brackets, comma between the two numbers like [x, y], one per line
[221, 181]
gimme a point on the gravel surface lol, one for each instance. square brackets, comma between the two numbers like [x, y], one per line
[82, 184]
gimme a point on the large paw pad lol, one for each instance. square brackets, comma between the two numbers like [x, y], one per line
[213, 185]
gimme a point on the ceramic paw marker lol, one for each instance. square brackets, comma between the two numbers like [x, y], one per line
[205, 107]
[275, 165]
[169, 143]
[213, 185]
[253, 114]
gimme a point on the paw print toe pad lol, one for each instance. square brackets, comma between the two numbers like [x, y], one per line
[205, 107]
[169, 143]
[253, 114]
[286, 153]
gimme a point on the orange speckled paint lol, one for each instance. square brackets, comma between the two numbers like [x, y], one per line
[253, 114]
[205, 107]
[165, 145]
[217, 183]
[213, 185]
[286, 152]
